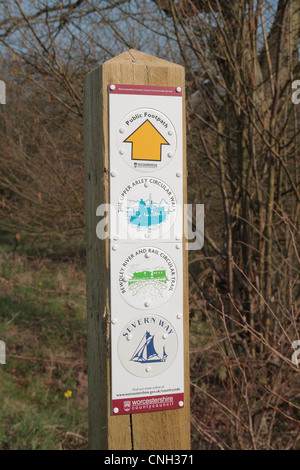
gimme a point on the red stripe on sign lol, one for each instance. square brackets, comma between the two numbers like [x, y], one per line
[144, 90]
[148, 403]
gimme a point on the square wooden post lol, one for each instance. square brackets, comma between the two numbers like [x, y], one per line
[153, 430]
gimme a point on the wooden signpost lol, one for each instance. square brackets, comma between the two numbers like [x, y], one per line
[137, 285]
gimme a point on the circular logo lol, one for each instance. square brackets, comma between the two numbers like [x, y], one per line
[147, 205]
[147, 278]
[146, 140]
[147, 346]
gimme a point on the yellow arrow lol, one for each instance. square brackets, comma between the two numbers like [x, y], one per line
[146, 142]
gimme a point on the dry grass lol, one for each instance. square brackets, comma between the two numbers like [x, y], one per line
[42, 310]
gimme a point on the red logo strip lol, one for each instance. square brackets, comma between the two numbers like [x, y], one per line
[144, 90]
[148, 403]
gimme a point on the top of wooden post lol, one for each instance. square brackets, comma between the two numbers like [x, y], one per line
[140, 58]
[140, 68]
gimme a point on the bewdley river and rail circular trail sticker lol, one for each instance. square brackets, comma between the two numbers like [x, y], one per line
[146, 140]
[147, 205]
[147, 346]
[147, 278]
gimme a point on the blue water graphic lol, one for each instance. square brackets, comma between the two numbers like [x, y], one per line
[147, 216]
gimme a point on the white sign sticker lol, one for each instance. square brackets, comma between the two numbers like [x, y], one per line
[146, 265]
[147, 346]
[147, 205]
[147, 278]
[146, 139]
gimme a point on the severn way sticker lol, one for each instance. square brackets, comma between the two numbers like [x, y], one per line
[147, 346]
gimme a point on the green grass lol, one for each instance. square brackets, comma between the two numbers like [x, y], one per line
[43, 323]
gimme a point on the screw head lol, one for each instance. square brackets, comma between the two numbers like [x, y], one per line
[170, 154]
[121, 130]
[178, 246]
[180, 403]
[170, 132]
[113, 173]
[147, 303]
[148, 369]
[129, 337]
[178, 174]
[147, 255]
[178, 89]
[146, 184]
[115, 237]
[179, 316]
[112, 87]
[121, 151]
[114, 321]
[116, 410]
[165, 336]
[114, 247]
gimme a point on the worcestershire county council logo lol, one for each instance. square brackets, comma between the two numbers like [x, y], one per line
[127, 405]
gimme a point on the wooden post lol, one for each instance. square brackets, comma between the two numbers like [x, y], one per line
[153, 430]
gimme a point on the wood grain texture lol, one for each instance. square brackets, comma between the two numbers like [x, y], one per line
[155, 430]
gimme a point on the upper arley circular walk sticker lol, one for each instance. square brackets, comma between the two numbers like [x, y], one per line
[146, 139]
[147, 205]
[147, 278]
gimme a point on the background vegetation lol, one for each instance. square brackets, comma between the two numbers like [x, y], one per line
[241, 58]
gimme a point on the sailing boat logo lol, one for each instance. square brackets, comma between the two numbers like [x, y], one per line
[147, 346]
[146, 352]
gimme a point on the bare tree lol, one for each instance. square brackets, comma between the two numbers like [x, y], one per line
[241, 58]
